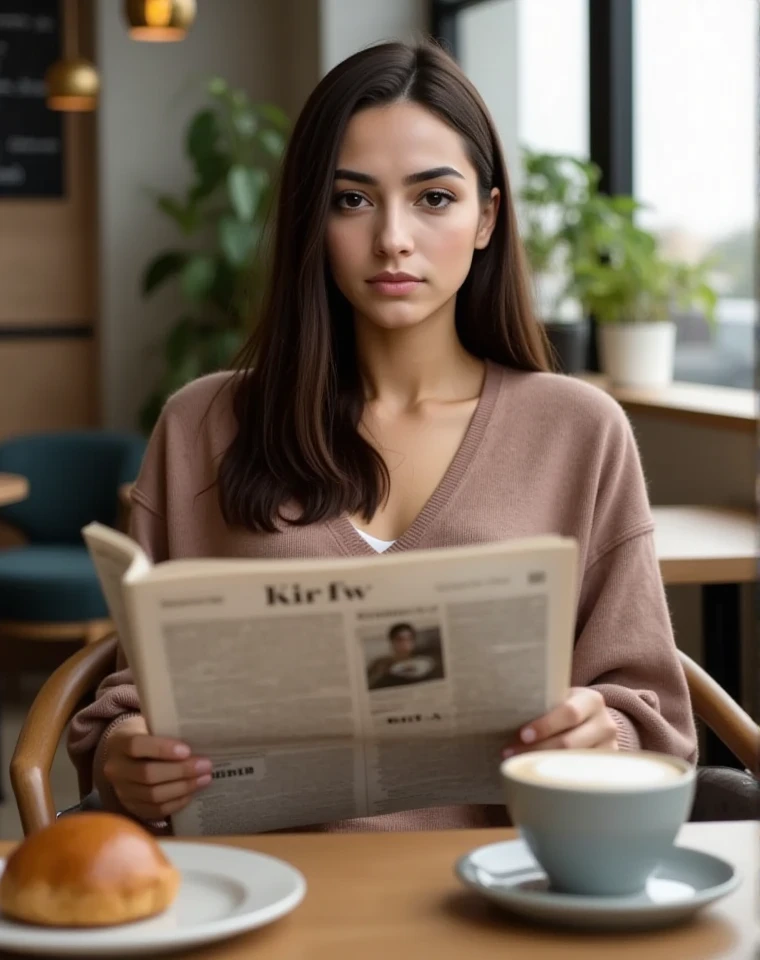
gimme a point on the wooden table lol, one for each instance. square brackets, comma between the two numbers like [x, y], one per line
[394, 897]
[716, 548]
[701, 404]
[706, 544]
[12, 488]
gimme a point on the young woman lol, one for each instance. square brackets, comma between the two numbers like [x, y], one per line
[397, 396]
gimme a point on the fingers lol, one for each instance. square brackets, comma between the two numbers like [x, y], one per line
[163, 811]
[148, 776]
[581, 704]
[154, 773]
[167, 792]
[150, 773]
[157, 801]
[581, 721]
[146, 747]
[595, 734]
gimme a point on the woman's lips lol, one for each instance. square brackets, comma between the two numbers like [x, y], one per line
[395, 288]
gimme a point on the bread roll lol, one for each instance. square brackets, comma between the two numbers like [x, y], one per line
[87, 870]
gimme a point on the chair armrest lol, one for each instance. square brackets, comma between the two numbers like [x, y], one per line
[723, 715]
[44, 726]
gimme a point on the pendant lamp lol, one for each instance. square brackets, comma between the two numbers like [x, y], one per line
[72, 84]
[161, 21]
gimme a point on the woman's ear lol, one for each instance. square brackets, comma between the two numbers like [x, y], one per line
[488, 220]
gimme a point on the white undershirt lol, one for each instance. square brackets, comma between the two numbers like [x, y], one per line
[379, 545]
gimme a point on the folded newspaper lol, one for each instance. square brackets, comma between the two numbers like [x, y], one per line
[338, 688]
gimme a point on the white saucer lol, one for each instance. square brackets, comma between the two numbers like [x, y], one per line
[224, 891]
[415, 668]
[685, 881]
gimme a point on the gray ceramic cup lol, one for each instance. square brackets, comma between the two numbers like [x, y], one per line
[592, 832]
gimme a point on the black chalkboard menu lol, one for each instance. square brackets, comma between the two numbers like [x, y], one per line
[31, 135]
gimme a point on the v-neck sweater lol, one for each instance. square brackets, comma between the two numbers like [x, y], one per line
[543, 453]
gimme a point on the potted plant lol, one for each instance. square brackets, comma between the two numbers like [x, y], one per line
[553, 187]
[622, 278]
[234, 147]
[590, 258]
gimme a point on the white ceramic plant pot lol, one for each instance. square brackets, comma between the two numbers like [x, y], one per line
[637, 354]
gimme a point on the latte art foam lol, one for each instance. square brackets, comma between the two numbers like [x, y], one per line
[601, 772]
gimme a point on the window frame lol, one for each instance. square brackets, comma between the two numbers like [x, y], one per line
[610, 92]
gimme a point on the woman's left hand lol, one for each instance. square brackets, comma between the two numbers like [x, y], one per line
[581, 721]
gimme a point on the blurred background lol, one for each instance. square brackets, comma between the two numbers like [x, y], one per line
[90, 199]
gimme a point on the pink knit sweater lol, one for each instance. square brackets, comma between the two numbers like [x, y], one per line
[543, 454]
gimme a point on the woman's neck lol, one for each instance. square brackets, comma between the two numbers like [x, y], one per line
[404, 368]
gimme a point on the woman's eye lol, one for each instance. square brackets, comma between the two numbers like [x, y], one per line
[349, 201]
[438, 199]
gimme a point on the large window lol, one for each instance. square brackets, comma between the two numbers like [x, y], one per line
[529, 59]
[689, 69]
[695, 64]
[552, 58]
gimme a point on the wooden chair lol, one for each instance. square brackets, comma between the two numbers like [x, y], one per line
[62, 694]
[723, 715]
[75, 681]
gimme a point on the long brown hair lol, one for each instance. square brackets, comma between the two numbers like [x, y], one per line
[298, 396]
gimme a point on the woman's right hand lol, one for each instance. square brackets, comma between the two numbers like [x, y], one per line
[152, 777]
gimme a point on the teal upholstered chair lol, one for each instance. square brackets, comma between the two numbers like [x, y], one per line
[48, 586]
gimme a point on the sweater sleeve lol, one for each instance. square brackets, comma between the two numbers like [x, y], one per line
[624, 644]
[625, 650]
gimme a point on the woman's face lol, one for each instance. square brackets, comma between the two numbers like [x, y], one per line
[405, 205]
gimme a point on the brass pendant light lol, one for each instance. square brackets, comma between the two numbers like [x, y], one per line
[161, 21]
[72, 83]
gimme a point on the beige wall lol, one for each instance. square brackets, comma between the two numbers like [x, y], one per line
[148, 93]
[299, 50]
[349, 25]
[489, 55]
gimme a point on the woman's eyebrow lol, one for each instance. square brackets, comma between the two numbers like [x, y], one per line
[433, 174]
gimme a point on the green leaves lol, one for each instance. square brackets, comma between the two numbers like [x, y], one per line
[193, 348]
[161, 268]
[198, 276]
[202, 136]
[237, 240]
[185, 215]
[234, 148]
[204, 147]
[245, 187]
[273, 116]
[614, 267]
[273, 143]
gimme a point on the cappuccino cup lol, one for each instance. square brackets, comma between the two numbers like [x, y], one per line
[598, 821]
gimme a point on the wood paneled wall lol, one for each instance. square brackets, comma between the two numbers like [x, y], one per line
[48, 285]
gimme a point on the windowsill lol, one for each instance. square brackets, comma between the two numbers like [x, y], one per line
[707, 406]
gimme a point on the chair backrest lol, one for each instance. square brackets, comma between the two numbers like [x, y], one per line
[723, 715]
[73, 479]
[73, 683]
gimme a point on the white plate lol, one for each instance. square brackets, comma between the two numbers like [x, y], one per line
[224, 891]
[415, 668]
[685, 881]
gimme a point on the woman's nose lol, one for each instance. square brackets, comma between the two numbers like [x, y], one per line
[394, 235]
